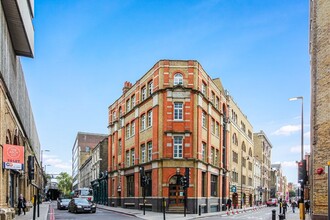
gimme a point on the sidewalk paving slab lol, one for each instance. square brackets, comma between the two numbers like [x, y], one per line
[43, 213]
[149, 215]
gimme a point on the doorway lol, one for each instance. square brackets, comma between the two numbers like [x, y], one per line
[176, 191]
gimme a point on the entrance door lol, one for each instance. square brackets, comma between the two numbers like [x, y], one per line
[176, 195]
[176, 191]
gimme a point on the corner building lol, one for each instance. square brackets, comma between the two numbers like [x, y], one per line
[173, 117]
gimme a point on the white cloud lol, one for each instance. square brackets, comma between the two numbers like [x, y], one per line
[287, 164]
[287, 130]
[57, 165]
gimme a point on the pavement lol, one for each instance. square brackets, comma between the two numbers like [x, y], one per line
[47, 213]
[159, 215]
[43, 213]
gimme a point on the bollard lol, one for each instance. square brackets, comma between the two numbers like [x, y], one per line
[284, 210]
[273, 214]
[199, 210]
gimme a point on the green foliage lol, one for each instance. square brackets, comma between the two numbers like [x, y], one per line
[292, 193]
[64, 183]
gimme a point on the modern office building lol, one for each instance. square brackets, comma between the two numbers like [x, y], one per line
[241, 157]
[174, 117]
[262, 151]
[18, 133]
[320, 108]
[81, 151]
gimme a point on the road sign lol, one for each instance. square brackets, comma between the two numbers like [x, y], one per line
[233, 188]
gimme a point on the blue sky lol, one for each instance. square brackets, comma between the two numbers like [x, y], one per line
[85, 51]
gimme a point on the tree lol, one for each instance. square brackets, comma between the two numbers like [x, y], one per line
[64, 183]
[292, 193]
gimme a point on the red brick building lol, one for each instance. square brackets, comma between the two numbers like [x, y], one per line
[173, 117]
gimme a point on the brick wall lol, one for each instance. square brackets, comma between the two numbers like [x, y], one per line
[320, 109]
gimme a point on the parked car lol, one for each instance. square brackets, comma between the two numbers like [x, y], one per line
[81, 205]
[272, 202]
[63, 203]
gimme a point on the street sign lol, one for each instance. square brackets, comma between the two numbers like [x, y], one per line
[233, 188]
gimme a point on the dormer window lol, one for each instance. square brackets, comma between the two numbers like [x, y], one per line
[178, 79]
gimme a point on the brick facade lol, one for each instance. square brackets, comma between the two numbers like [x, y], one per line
[320, 109]
[166, 123]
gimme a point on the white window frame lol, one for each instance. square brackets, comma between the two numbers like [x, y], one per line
[178, 111]
[127, 159]
[149, 145]
[203, 119]
[203, 151]
[133, 156]
[150, 87]
[143, 122]
[133, 128]
[178, 147]
[143, 153]
[178, 79]
[133, 101]
[149, 120]
[143, 93]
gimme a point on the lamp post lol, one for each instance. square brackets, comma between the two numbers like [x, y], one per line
[302, 212]
[46, 167]
[42, 155]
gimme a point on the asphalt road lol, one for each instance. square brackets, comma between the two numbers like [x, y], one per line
[99, 215]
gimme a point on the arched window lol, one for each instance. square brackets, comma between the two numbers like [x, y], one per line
[8, 137]
[243, 146]
[250, 152]
[178, 79]
[235, 141]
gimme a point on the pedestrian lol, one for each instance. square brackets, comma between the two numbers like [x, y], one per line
[285, 206]
[229, 204]
[293, 205]
[307, 205]
[21, 204]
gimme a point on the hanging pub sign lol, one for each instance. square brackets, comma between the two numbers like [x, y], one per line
[13, 157]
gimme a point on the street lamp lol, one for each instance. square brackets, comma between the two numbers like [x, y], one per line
[302, 212]
[302, 123]
[42, 155]
[46, 167]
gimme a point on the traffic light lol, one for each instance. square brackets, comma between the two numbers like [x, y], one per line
[187, 175]
[184, 181]
[31, 167]
[302, 172]
[142, 177]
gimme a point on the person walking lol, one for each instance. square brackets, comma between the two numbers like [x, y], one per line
[21, 204]
[229, 204]
[293, 205]
[307, 205]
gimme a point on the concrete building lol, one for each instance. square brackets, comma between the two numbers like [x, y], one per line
[262, 151]
[174, 117]
[17, 126]
[320, 108]
[81, 151]
[241, 157]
